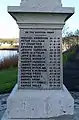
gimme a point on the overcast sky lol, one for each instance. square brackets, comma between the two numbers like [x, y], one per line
[9, 28]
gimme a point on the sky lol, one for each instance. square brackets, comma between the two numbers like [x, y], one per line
[9, 28]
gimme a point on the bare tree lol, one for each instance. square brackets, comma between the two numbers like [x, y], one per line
[76, 34]
[65, 30]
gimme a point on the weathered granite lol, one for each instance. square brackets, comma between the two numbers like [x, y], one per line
[44, 27]
[27, 104]
[74, 94]
[41, 96]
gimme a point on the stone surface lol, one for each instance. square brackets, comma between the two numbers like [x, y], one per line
[76, 106]
[41, 4]
[24, 104]
[68, 117]
[40, 24]
[40, 59]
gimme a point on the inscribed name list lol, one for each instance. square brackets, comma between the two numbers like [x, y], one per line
[40, 58]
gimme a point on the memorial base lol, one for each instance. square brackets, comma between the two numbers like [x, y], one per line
[39, 104]
[67, 117]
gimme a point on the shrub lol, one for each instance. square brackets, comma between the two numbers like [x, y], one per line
[69, 53]
[8, 62]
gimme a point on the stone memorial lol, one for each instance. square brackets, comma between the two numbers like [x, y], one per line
[40, 93]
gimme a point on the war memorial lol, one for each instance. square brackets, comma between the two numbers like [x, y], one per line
[39, 92]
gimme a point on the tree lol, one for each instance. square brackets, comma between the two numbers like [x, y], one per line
[67, 37]
[65, 30]
[76, 34]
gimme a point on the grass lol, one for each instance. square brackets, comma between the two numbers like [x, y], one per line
[8, 73]
[8, 78]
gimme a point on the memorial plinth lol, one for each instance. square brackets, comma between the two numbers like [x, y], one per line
[40, 93]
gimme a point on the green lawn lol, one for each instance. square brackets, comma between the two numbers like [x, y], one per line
[8, 79]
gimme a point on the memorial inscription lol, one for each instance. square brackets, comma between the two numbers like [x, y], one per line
[40, 59]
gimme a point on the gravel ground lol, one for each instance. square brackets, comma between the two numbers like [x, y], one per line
[76, 106]
[3, 99]
[3, 105]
